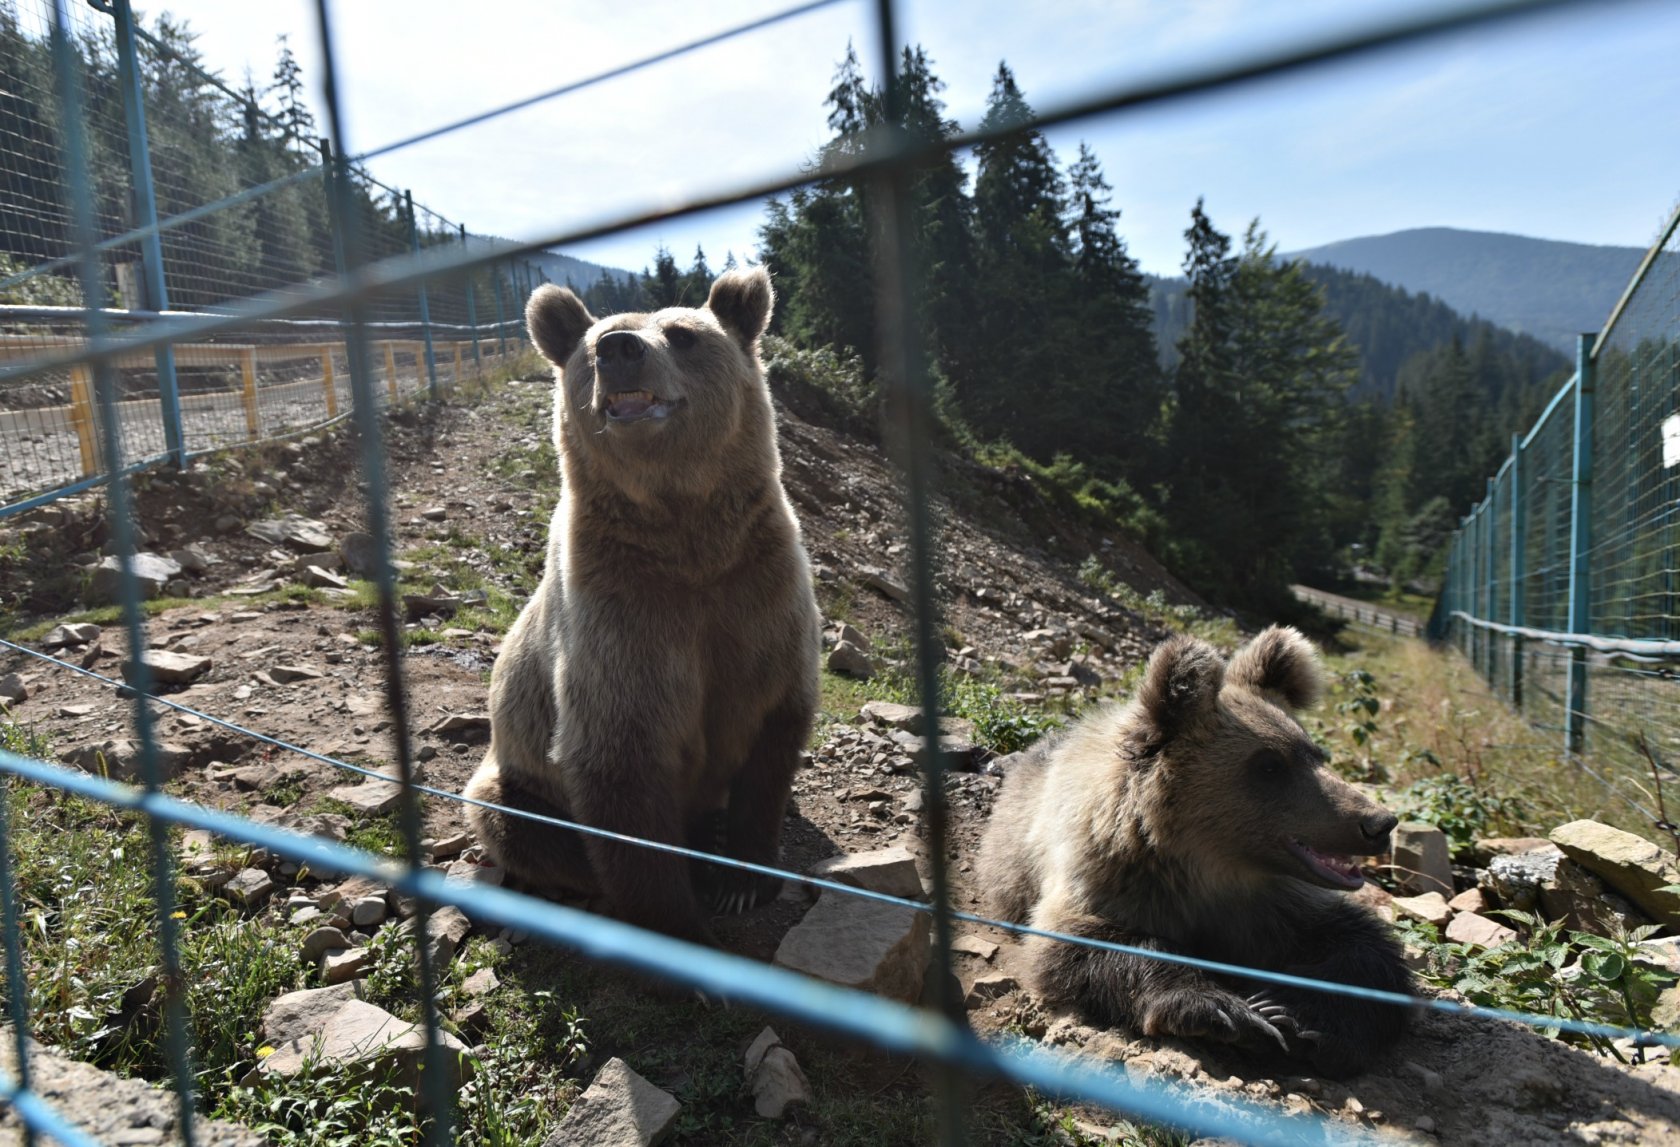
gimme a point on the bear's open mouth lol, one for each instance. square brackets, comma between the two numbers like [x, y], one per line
[635, 405]
[1333, 869]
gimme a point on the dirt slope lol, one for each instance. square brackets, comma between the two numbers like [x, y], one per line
[472, 488]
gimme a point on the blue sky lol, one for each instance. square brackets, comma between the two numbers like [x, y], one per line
[1561, 126]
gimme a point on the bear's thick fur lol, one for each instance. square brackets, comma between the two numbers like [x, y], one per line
[663, 678]
[1201, 819]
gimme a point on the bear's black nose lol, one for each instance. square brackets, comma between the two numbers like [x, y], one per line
[620, 347]
[1378, 825]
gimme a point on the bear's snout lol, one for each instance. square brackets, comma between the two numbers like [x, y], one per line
[1376, 828]
[619, 356]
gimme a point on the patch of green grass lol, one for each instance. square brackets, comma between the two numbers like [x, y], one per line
[108, 615]
[1217, 630]
[1000, 724]
[90, 946]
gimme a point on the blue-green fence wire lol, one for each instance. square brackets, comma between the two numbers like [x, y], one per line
[1562, 585]
[391, 266]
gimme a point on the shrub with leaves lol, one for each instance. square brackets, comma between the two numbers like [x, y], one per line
[1459, 809]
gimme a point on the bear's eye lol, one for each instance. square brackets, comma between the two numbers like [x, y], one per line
[680, 337]
[1268, 763]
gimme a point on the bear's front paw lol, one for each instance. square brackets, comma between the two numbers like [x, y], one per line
[730, 891]
[1302, 1041]
[1217, 1015]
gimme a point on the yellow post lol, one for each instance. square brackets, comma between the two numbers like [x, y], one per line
[391, 369]
[328, 383]
[81, 418]
[248, 365]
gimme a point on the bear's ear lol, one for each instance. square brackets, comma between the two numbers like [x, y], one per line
[557, 320]
[1282, 663]
[741, 300]
[1181, 684]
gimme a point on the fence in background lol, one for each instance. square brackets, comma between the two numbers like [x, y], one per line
[360, 295]
[244, 196]
[1563, 585]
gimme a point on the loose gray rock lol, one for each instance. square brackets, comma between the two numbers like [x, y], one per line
[886, 584]
[299, 1014]
[989, 988]
[250, 888]
[341, 964]
[121, 759]
[151, 573]
[168, 667]
[1469, 928]
[286, 674]
[82, 633]
[775, 1077]
[12, 689]
[446, 929]
[363, 1038]
[1629, 864]
[368, 911]
[371, 797]
[105, 1107]
[620, 1109]
[1421, 860]
[890, 871]
[848, 659]
[1431, 908]
[861, 944]
[323, 941]
[358, 552]
[302, 534]
[317, 578]
[894, 715]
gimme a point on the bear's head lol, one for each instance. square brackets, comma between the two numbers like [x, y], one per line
[1237, 787]
[682, 382]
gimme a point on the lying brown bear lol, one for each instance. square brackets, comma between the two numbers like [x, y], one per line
[1202, 819]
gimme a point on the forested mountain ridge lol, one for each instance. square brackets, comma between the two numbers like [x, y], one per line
[1549, 289]
[1387, 326]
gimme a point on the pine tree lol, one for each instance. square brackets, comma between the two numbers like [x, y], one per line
[697, 281]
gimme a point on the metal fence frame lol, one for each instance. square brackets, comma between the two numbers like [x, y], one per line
[1560, 585]
[937, 1033]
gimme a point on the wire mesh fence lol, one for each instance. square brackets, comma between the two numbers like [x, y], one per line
[298, 290]
[201, 195]
[1560, 585]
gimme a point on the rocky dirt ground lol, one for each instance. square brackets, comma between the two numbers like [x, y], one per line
[267, 643]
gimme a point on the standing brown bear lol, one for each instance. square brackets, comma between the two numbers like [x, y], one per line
[663, 678]
[1202, 819]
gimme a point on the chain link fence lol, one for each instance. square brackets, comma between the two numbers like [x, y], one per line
[1561, 585]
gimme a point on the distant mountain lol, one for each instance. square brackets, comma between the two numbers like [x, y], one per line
[563, 269]
[1541, 287]
[1389, 326]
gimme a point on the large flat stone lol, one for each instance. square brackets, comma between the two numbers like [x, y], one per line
[1470, 928]
[890, 871]
[168, 667]
[299, 1014]
[861, 944]
[361, 1036]
[1629, 864]
[151, 573]
[620, 1109]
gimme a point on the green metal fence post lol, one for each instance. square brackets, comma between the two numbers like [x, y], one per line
[145, 210]
[1491, 573]
[1519, 545]
[501, 321]
[472, 309]
[425, 305]
[1473, 586]
[1580, 543]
